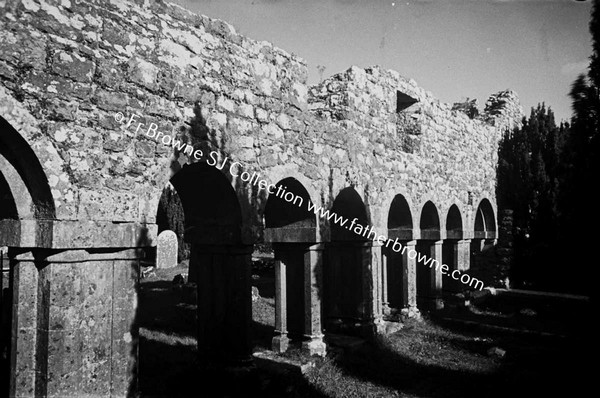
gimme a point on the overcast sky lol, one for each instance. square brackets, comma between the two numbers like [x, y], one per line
[453, 48]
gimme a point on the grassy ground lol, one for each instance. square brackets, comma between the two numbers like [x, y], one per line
[424, 359]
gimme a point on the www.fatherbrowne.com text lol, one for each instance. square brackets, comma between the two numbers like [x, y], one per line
[236, 169]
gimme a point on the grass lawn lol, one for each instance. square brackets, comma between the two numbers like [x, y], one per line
[423, 359]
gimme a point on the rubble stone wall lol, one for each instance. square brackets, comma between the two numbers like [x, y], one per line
[67, 67]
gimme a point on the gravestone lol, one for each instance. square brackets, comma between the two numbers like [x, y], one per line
[166, 250]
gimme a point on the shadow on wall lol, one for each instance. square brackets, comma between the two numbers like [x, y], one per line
[220, 262]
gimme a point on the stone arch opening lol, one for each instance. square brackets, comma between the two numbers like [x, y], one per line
[485, 221]
[399, 217]
[429, 247]
[429, 223]
[396, 272]
[454, 223]
[20, 165]
[292, 230]
[8, 208]
[170, 216]
[219, 263]
[484, 235]
[452, 251]
[349, 205]
[25, 197]
[293, 214]
[349, 254]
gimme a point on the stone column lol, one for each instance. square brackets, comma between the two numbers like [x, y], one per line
[313, 291]
[479, 244]
[224, 305]
[409, 280]
[460, 261]
[280, 341]
[374, 291]
[383, 285]
[73, 330]
[371, 287]
[463, 258]
[436, 276]
[24, 347]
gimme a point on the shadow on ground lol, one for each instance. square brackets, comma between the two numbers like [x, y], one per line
[425, 360]
[168, 361]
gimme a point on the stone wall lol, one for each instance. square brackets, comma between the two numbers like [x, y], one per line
[86, 188]
[67, 67]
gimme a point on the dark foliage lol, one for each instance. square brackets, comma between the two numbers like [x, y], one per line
[528, 183]
[170, 216]
[546, 174]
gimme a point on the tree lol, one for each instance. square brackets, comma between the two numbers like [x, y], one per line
[170, 216]
[580, 218]
[528, 175]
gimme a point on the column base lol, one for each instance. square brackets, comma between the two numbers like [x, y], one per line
[315, 346]
[410, 313]
[280, 343]
[386, 327]
[386, 310]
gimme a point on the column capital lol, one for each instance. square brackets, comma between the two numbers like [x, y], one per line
[318, 246]
[409, 243]
[376, 243]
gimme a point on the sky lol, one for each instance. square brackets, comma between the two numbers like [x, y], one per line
[457, 49]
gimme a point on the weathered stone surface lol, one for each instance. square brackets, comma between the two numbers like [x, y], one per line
[166, 250]
[69, 69]
[78, 334]
[246, 90]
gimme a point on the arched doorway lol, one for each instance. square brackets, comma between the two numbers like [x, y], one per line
[399, 277]
[429, 247]
[219, 262]
[291, 228]
[347, 286]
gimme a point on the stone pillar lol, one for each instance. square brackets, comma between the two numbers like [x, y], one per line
[224, 305]
[383, 285]
[479, 244]
[463, 256]
[460, 261]
[372, 290]
[313, 285]
[280, 341]
[371, 287]
[436, 276]
[409, 281]
[73, 330]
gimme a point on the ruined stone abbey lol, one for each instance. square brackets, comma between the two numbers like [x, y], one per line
[79, 193]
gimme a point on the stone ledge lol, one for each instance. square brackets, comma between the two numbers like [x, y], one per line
[77, 255]
[56, 234]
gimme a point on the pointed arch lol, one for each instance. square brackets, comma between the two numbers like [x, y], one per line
[349, 205]
[454, 224]
[485, 221]
[210, 205]
[429, 222]
[400, 221]
[25, 176]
